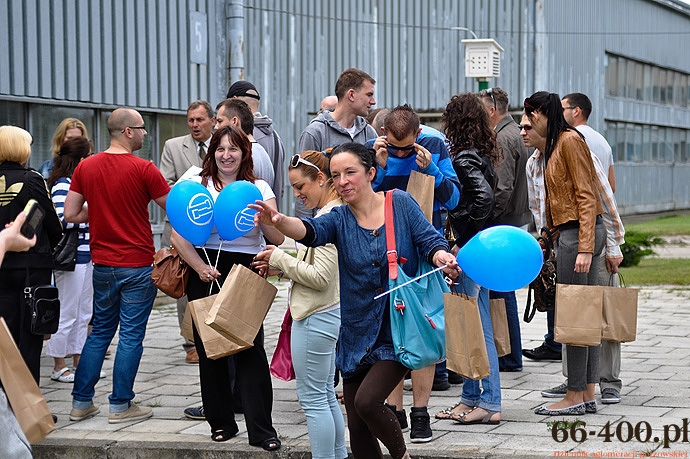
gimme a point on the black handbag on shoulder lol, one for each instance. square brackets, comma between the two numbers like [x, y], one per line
[544, 286]
[65, 252]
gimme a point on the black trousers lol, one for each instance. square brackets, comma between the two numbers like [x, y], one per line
[16, 313]
[253, 379]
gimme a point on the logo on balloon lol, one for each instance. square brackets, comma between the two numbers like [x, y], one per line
[200, 209]
[244, 220]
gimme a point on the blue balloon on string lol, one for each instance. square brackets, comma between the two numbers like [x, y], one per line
[232, 216]
[501, 258]
[190, 210]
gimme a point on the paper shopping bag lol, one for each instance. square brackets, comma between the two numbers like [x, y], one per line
[465, 346]
[619, 314]
[215, 344]
[186, 326]
[499, 323]
[421, 187]
[241, 305]
[578, 314]
[27, 401]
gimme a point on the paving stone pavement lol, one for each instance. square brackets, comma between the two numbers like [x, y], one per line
[655, 400]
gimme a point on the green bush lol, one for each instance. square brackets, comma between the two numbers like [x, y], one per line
[637, 246]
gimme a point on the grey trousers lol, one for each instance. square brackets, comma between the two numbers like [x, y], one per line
[610, 356]
[582, 361]
[182, 302]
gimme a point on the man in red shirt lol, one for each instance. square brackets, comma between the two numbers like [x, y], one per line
[111, 190]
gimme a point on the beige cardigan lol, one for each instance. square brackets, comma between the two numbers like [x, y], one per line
[315, 283]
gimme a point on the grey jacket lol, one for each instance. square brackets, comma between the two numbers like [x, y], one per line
[270, 140]
[325, 132]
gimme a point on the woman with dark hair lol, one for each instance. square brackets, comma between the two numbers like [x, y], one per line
[75, 288]
[229, 159]
[314, 303]
[573, 209]
[34, 267]
[473, 151]
[365, 354]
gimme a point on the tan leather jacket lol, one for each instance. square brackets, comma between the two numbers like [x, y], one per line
[570, 188]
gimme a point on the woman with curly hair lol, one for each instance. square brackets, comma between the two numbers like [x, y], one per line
[573, 209]
[474, 152]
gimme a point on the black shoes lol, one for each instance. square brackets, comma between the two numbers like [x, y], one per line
[454, 378]
[402, 417]
[542, 353]
[420, 432]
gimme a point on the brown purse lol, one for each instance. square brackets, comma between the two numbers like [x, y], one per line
[170, 272]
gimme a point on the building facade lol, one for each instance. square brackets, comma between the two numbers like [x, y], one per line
[83, 58]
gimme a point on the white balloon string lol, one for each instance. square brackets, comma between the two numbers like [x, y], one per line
[209, 263]
[409, 282]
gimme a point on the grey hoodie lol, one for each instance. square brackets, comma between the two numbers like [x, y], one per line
[270, 140]
[325, 132]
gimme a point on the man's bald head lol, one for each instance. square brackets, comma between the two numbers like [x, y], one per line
[120, 119]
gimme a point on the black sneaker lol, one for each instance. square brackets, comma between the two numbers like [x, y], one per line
[420, 431]
[195, 412]
[610, 395]
[440, 385]
[542, 353]
[555, 392]
[454, 378]
[402, 417]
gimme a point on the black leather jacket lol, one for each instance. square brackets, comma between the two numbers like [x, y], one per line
[477, 178]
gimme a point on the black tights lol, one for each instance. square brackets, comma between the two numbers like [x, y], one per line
[368, 419]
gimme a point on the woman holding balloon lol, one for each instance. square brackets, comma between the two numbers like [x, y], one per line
[227, 164]
[365, 354]
[473, 151]
[573, 209]
[315, 307]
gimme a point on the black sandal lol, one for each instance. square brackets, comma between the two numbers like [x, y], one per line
[270, 444]
[222, 435]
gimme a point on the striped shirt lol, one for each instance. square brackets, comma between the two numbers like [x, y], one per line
[615, 233]
[58, 194]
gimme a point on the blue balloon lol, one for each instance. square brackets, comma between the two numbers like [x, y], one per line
[233, 217]
[190, 210]
[501, 258]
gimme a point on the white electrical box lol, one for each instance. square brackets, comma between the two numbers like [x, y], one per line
[482, 58]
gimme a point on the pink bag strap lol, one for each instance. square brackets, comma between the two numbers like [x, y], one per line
[391, 252]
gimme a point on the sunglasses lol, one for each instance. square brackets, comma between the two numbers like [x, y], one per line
[526, 127]
[392, 149]
[296, 159]
[490, 93]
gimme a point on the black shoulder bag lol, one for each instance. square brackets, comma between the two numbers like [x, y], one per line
[65, 252]
[44, 307]
[544, 286]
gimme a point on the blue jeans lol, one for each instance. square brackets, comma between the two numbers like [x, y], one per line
[489, 397]
[548, 338]
[512, 361]
[124, 297]
[313, 356]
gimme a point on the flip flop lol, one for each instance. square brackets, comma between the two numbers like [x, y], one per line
[447, 413]
[485, 420]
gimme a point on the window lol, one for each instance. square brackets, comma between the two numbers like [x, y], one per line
[633, 142]
[611, 76]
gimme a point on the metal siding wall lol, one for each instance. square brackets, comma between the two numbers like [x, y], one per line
[118, 53]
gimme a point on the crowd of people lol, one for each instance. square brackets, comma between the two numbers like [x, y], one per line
[552, 170]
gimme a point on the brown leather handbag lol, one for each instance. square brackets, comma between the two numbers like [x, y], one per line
[544, 286]
[170, 272]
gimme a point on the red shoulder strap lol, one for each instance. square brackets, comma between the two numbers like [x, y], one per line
[391, 252]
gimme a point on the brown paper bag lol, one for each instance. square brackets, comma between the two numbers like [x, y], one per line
[421, 187]
[465, 346]
[27, 401]
[186, 326]
[241, 305]
[619, 314]
[215, 344]
[578, 314]
[499, 323]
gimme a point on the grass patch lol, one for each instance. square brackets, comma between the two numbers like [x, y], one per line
[658, 271]
[673, 225]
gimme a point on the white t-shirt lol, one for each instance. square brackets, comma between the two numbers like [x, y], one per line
[598, 145]
[252, 242]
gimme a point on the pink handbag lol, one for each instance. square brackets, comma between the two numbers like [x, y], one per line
[281, 362]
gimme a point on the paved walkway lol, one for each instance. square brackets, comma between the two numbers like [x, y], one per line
[656, 400]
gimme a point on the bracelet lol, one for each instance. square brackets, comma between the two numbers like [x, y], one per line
[280, 276]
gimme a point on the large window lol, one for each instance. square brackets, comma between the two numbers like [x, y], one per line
[645, 143]
[632, 79]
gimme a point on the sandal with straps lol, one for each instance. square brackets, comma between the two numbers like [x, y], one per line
[60, 375]
[483, 420]
[447, 413]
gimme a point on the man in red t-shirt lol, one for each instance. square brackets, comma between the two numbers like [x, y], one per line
[112, 191]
